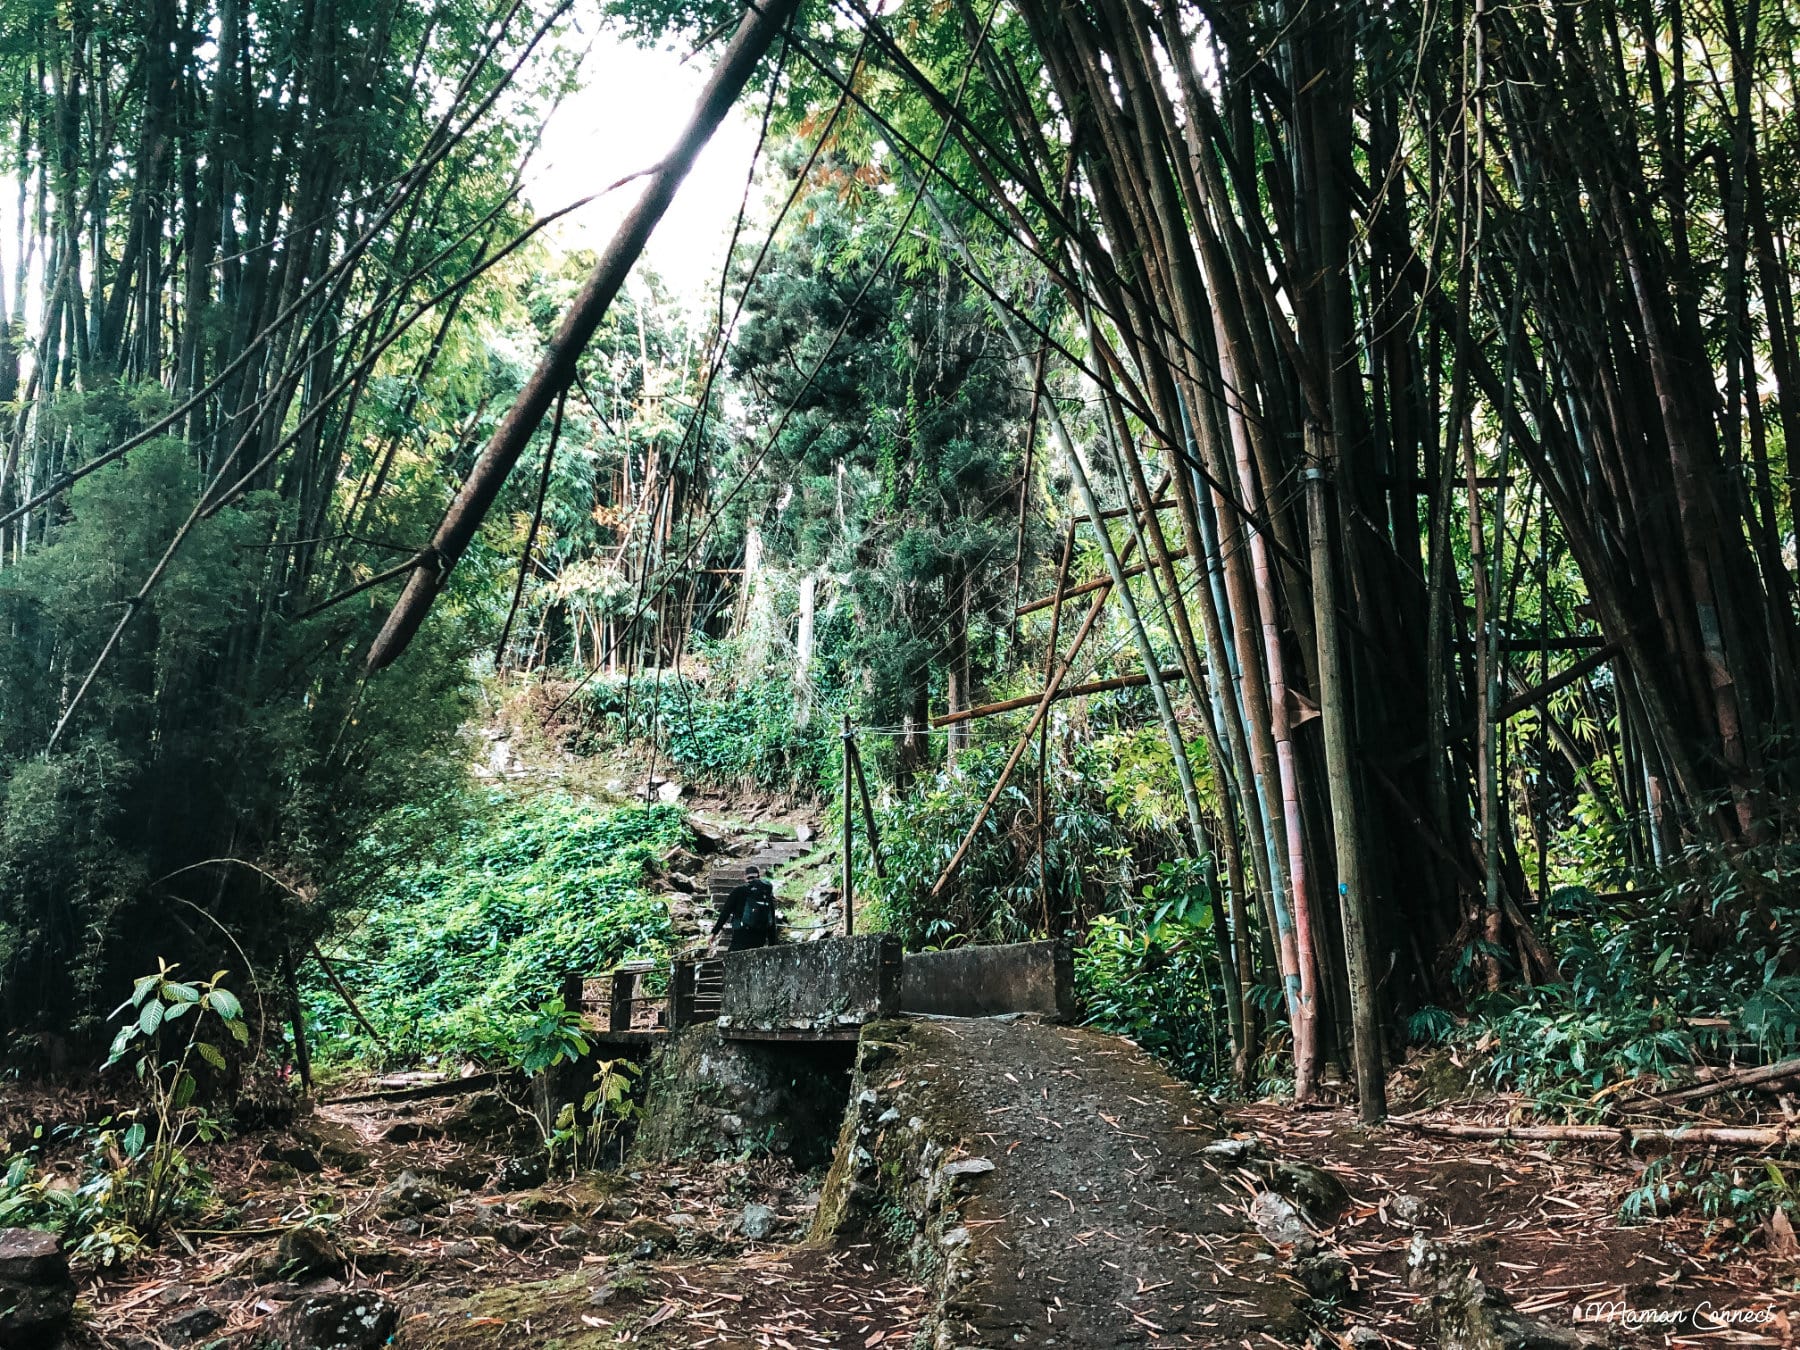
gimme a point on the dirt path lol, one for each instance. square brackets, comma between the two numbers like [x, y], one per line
[1543, 1226]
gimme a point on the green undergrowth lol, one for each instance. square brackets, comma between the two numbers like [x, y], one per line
[458, 949]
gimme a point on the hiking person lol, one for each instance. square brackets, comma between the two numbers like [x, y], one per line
[750, 910]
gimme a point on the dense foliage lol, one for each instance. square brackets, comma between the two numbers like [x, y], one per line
[458, 950]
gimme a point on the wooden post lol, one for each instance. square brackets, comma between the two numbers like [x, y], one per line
[682, 983]
[618, 1009]
[302, 1056]
[868, 808]
[849, 827]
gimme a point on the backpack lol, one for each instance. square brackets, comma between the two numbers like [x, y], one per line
[756, 912]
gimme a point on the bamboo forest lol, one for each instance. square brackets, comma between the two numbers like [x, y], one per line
[899, 673]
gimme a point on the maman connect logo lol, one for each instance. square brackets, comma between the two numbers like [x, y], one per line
[1702, 1316]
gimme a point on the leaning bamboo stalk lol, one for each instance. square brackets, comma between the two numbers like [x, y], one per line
[557, 369]
[962, 850]
[1043, 754]
[1080, 588]
[1137, 681]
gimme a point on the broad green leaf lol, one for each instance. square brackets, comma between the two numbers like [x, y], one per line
[225, 1003]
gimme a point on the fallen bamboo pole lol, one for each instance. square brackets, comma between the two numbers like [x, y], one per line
[1074, 691]
[1764, 1136]
[1762, 1073]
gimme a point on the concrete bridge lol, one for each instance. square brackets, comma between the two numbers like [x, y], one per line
[821, 991]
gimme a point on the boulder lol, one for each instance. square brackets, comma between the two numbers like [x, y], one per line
[193, 1327]
[1280, 1223]
[295, 1155]
[756, 1222]
[522, 1173]
[411, 1132]
[356, 1319]
[408, 1196]
[545, 1205]
[337, 1145]
[1405, 1210]
[1460, 1312]
[645, 1231]
[1236, 1150]
[1327, 1276]
[485, 1116]
[1318, 1193]
[308, 1254]
[517, 1236]
[37, 1294]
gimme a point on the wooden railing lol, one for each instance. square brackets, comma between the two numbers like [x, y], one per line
[641, 999]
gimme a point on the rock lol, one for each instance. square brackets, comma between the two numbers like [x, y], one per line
[522, 1173]
[1278, 1221]
[1364, 1338]
[458, 1176]
[573, 1236]
[540, 1205]
[192, 1327]
[647, 1232]
[337, 1145]
[803, 834]
[1462, 1313]
[756, 1222]
[37, 1294]
[1327, 1276]
[956, 1237]
[671, 792]
[706, 839]
[1406, 1210]
[618, 1208]
[358, 1319]
[1316, 1191]
[31, 1256]
[485, 1116]
[410, 1132]
[1234, 1150]
[408, 1196]
[966, 1167]
[308, 1254]
[297, 1156]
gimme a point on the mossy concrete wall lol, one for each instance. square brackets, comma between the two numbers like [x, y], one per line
[1019, 977]
[811, 987]
[709, 1097]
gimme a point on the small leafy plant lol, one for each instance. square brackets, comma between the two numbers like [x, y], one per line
[585, 1131]
[551, 1036]
[169, 1025]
